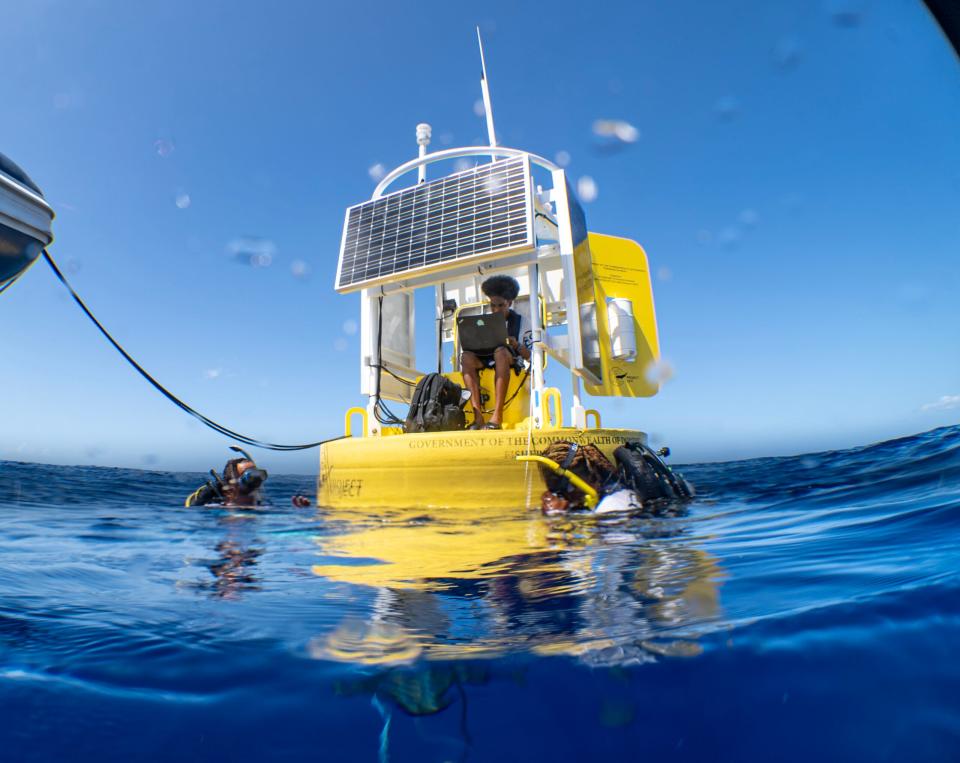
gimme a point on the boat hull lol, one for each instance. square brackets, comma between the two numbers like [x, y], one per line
[464, 469]
[25, 222]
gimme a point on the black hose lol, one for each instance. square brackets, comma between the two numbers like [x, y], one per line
[163, 390]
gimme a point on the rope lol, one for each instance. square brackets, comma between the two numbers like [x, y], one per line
[163, 390]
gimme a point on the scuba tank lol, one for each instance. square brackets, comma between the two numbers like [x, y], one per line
[641, 470]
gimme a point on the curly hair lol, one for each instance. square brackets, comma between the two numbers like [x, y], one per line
[505, 287]
[588, 463]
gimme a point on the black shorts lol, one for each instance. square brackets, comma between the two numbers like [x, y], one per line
[489, 361]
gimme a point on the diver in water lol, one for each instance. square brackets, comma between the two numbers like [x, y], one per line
[582, 477]
[239, 485]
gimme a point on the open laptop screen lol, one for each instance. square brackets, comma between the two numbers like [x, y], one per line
[482, 334]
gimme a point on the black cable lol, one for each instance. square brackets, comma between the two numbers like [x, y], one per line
[163, 390]
[440, 342]
[526, 374]
[395, 376]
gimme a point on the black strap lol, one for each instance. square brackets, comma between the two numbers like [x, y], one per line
[514, 320]
[564, 485]
[163, 390]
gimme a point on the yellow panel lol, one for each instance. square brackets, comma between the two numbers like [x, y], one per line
[620, 270]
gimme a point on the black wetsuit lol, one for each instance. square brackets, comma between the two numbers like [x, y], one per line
[203, 495]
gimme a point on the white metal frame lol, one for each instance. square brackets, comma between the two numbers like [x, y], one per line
[531, 258]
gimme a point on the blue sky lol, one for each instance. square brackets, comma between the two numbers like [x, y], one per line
[796, 185]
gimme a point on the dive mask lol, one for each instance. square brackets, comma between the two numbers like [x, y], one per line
[251, 480]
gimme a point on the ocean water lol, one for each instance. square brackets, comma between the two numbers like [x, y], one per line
[803, 608]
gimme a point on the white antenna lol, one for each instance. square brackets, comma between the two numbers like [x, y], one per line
[423, 140]
[491, 133]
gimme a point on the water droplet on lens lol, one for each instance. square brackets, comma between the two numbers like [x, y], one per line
[494, 184]
[587, 189]
[252, 250]
[340, 344]
[729, 237]
[461, 165]
[616, 129]
[659, 372]
[664, 273]
[478, 108]
[787, 53]
[727, 108]
[163, 147]
[846, 13]
[377, 172]
[350, 327]
[300, 269]
[562, 158]
[212, 373]
[182, 201]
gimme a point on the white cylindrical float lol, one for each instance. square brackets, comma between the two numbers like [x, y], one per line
[622, 327]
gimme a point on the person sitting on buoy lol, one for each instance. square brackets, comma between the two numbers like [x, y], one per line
[239, 486]
[501, 291]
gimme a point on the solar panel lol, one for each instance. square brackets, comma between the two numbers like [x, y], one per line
[480, 212]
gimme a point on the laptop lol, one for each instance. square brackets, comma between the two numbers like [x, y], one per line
[482, 334]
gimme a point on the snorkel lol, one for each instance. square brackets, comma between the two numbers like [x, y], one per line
[569, 478]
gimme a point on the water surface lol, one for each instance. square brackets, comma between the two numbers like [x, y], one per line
[802, 608]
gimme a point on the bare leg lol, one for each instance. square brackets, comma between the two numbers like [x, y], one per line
[504, 361]
[470, 368]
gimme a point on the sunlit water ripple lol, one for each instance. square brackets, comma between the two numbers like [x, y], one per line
[803, 608]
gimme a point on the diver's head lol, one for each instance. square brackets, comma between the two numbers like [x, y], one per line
[249, 477]
[242, 479]
[501, 291]
[585, 461]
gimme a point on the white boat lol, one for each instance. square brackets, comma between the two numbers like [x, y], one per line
[26, 221]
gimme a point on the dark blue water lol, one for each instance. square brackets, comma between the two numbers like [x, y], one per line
[805, 608]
